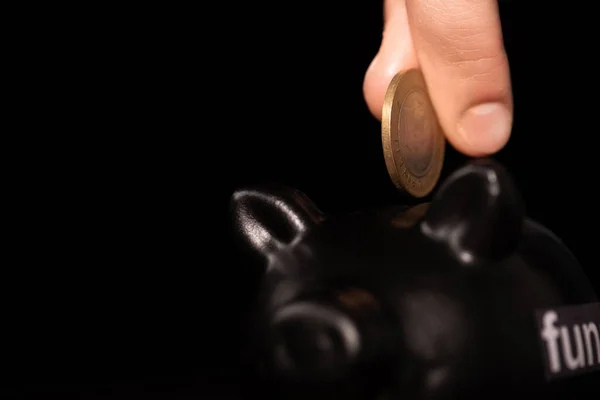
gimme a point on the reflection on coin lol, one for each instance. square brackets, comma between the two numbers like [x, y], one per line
[410, 217]
[413, 142]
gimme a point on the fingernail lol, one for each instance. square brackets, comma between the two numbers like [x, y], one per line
[486, 127]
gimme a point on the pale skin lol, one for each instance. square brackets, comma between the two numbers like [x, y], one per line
[458, 46]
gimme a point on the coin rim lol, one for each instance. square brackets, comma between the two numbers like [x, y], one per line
[394, 164]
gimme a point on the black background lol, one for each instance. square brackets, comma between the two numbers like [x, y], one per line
[127, 282]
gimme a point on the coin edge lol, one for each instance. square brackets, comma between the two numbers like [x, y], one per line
[386, 130]
[431, 179]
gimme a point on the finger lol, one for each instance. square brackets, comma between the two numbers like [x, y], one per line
[461, 53]
[395, 54]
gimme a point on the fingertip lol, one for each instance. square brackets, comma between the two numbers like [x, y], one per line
[483, 129]
[386, 64]
[395, 54]
[374, 87]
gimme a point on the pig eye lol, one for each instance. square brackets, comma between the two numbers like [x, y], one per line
[357, 299]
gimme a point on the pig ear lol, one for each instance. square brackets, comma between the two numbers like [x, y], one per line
[270, 218]
[477, 213]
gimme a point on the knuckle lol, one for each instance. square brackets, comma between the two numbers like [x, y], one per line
[465, 34]
[476, 62]
[474, 54]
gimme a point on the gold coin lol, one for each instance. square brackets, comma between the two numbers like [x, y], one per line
[413, 141]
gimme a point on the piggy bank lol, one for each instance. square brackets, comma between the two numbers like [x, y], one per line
[460, 297]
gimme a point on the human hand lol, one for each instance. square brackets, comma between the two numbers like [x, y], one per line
[458, 46]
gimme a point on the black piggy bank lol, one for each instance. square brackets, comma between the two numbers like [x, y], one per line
[459, 298]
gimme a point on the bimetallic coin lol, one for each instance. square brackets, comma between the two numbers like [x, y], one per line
[413, 141]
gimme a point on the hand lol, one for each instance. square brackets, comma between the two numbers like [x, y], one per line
[458, 46]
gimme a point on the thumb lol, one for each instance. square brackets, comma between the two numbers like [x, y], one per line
[395, 54]
[461, 53]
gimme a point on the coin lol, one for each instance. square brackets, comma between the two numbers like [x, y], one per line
[413, 141]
